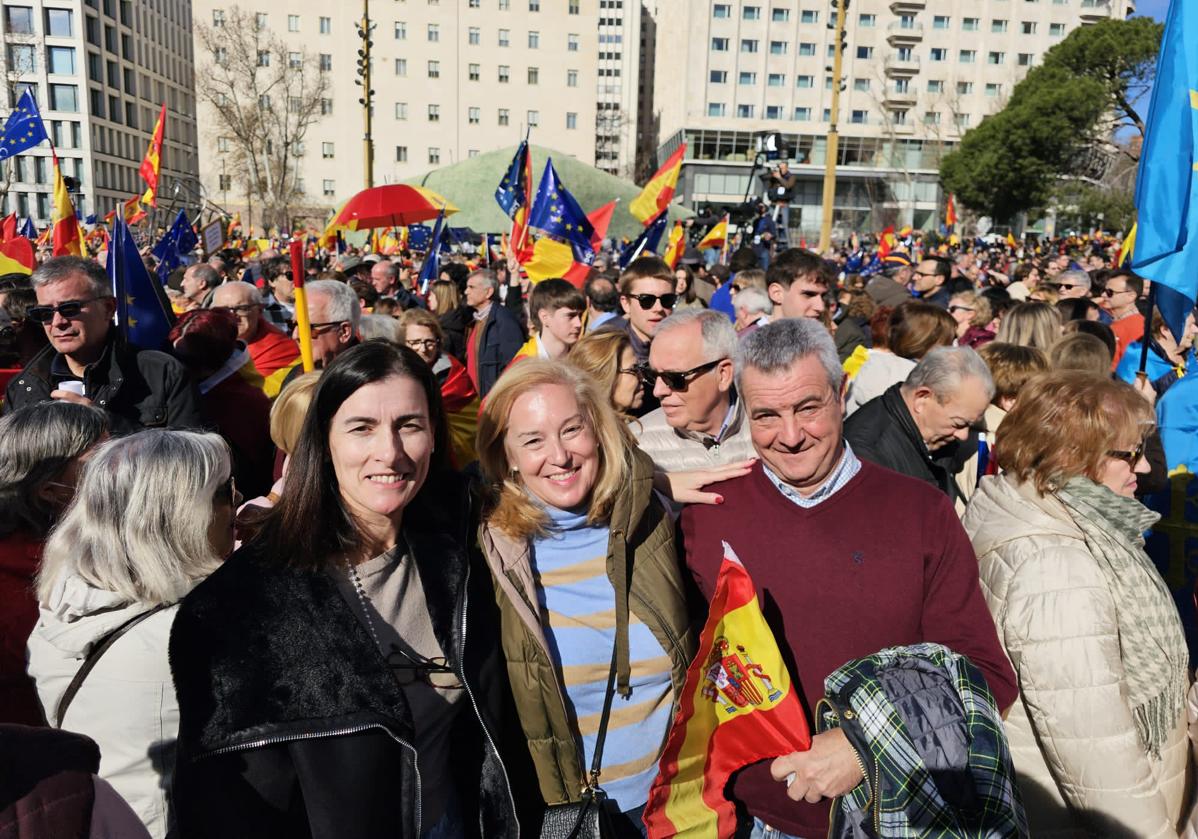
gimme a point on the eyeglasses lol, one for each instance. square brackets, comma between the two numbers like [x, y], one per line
[319, 329]
[423, 343]
[961, 309]
[240, 310]
[69, 310]
[1106, 292]
[677, 381]
[648, 301]
[227, 493]
[735, 288]
[1131, 458]
[637, 370]
[434, 672]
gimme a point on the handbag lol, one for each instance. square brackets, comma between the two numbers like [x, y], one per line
[98, 649]
[595, 816]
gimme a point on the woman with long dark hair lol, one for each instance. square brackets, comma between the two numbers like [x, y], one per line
[339, 676]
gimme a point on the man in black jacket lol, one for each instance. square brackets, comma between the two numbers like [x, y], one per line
[916, 427]
[496, 337]
[88, 362]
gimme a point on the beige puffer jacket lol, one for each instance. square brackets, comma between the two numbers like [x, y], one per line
[681, 451]
[1072, 737]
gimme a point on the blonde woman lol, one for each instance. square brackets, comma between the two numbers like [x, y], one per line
[445, 301]
[153, 515]
[609, 359]
[1098, 736]
[1032, 324]
[587, 580]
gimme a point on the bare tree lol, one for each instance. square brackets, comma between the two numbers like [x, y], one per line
[19, 64]
[265, 95]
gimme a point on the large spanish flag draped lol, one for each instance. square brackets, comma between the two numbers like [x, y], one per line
[659, 192]
[66, 238]
[738, 707]
[152, 165]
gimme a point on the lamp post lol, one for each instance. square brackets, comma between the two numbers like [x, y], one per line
[365, 27]
[825, 229]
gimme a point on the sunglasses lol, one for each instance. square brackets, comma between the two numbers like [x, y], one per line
[677, 381]
[319, 329]
[648, 301]
[961, 309]
[434, 672]
[227, 493]
[1064, 286]
[69, 310]
[1131, 458]
[241, 310]
[1111, 292]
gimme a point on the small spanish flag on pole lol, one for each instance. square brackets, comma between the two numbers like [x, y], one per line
[675, 246]
[950, 213]
[152, 165]
[738, 707]
[659, 192]
[303, 325]
[66, 238]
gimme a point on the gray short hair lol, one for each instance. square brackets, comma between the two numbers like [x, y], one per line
[36, 444]
[1073, 278]
[343, 302]
[204, 271]
[719, 338]
[391, 268]
[944, 368]
[779, 345]
[61, 268]
[255, 294]
[139, 523]
[753, 300]
[490, 278]
[380, 326]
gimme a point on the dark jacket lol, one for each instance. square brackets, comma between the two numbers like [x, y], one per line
[882, 431]
[498, 344]
[290, 720]
[455, 325]
[137, 388]
[849, 336]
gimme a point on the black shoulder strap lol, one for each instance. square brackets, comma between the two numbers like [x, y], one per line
[597, 760]
[93, 656]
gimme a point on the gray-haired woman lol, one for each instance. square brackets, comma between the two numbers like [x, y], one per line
[41, 449]
[153, 516]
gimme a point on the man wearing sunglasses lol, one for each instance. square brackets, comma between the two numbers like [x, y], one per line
[1118, 300]
[270, 347]
[647, 298]
[1072, 284]
[137, 388]
[700, 423]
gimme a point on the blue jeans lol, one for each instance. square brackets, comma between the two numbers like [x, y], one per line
[762, 831]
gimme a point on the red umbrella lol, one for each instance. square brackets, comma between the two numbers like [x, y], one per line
[392, 205]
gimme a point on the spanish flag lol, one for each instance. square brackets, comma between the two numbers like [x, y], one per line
[675, 245]
[950, 212]
[152, 165]
[131, 210]
[233, 225]
[738, 707]
[659, 192]
[715, 237]
[1011, 243]
[460, 402]
[886, 242]
[66, 238]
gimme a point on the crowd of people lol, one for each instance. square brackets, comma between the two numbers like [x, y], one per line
[436, 586]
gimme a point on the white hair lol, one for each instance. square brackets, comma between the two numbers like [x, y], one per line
[138, 525]
[753, 300]
[342, 304]
[254, 294]
[718, 334]
[380, 326]
[778, 346]
[1074, 277]
[944, 368]
[491, 279]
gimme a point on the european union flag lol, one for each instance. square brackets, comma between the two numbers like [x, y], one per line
[24, 128]
[27, 229]
[179, 241]
[511, 192]
[647, 242]
[431, 268]
[419, 235]
[1167, 184]
[143, 312]
[555, 212]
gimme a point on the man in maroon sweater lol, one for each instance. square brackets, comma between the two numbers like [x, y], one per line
[848, 558]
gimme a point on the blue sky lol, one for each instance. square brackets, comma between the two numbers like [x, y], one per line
[1153, 8]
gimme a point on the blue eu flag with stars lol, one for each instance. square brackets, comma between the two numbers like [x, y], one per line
[143, 313]
[555, 212]
[176, 244]
[647, 242]
[511, 194]
[430, 269]
[24, 128]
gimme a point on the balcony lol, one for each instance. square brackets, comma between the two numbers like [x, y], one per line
[895, 98]
[899, 67]
[1101, 10]
[903, 34]
[908, 7]
[903, 129]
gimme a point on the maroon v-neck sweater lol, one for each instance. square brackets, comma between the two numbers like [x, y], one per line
[883, 562]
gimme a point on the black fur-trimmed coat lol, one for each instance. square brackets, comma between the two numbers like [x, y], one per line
[291, 723]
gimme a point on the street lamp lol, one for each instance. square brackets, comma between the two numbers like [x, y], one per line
[365, 27]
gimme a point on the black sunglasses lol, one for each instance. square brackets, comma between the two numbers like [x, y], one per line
[434, 672]
[647, 301]
[69, 310]
[677, 381]
[1131, 458]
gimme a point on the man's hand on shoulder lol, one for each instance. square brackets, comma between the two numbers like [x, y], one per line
[70, 396]
[830, 768]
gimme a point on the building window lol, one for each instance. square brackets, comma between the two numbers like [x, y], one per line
[964, 88]
[867, 21]
[1026, 59]
[573, 7]
[326, 26]
[865, 52]
[1028, 27]
[861, 84]
[571, 121]
[721, 10]
[571, 78]
[778, 47]
[401, 154]
[434, 155]
[505, 37]
[534, 118]
[751, 13]
[776, 80]
[997, 26]
[931, 118]
[773, 112]
[326, 62]
[719, 44]
[993, 89]
[401, 110]
[504, 116]
[859, 117]
[263, 102]
[293, 23]
[263, 58]
[748, 45]
[328, 187]
[718, 77]
[326, 107]
[898, 117]
[218, 17]
[434, 113]
[434, 69]
[1056, 30]
[970, 24]
[808, 16]
[64, 97]
[968, 56]
[806, 49]
[260, 20]
[224, 145]
[802, 114]
[534, 75]
[434, 33]
[935, 86]
[473, 71]
[534, 5]
[572, 43]
[996, 58]
[962, 120]
[938, 54]
[716, 109]
[504, 5]
[504, 73]
[747, 78]
[534, 40]
[326, 151]
[474, 36]
[474, 115]
[295, 60]
[59, 23]
[401, 30]
[401, 66]
[780, 15]
[226, 183]
[744, 111]
[804, 81]
[22, 58]
[941, 22]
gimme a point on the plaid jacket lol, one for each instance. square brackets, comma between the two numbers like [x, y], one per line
[931, 743]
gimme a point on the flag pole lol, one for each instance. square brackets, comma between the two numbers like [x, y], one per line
[302, 323]
[1142, 373]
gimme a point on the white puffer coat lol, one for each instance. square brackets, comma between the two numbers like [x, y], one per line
[1081, 766]
[127, 703]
